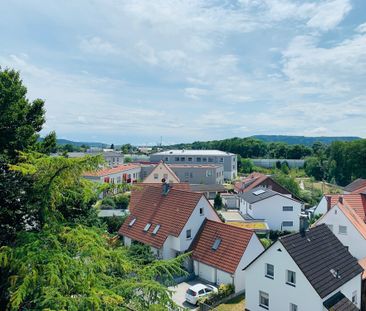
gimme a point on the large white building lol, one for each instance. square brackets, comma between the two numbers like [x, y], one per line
[280, 211]
[309, 270]
[226, 159]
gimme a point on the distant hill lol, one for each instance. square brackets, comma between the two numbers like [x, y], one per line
[78, 143]
[303, 140]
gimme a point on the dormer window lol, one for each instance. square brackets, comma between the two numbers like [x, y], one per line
[147, 227]
[216, 244]
[132, 222]
[156, 229]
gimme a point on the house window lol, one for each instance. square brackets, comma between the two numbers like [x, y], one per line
[210, 160]
[293, 307]
[189, 234]
[208, 173]
[189, 159]
[132, 222]
[290, 277]
[156, 176]
[186, 174]
[354, 297]
[166, 159]
[221, 160]
[342, 229]
[269, 271]
[287, 224]
[198, 159]
[156, 229]
[287, 208]
[201, 211]
[263, 300]
[176, 159]
[182, 159]
[147, 227]
[191, 175]
[204, 159]
[330, 227]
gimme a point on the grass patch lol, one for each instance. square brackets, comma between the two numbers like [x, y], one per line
[237, 303]
[248, 225]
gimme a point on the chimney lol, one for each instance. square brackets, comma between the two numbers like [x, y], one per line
[328, 202]
[165, 188]
[340, 199]
[304, 223]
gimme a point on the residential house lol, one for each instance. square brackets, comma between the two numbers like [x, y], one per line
[221, 251]
[255, 180]
[125, 173]
[166, 219]
[346, 217]
[160, 172]
[201, 157]
[210, 191]
[281, 212]
[309, 270]
[357, 186]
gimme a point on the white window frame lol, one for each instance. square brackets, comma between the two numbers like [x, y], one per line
[289, 282]
[266, 272]
[265, 296]
[293, 307]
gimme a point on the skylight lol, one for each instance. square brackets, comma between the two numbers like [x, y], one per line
[258, 192]
[156, 229]
[147, 227]
[132, 222]
[216, 244]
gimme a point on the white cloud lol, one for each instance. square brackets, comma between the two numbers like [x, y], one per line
[97, 45]
[361, 28]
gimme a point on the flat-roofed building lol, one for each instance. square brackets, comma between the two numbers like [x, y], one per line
[226, 159]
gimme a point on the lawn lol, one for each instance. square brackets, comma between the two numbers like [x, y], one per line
[235, 304]
[248, 225]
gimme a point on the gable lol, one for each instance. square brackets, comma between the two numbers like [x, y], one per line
[161, 171]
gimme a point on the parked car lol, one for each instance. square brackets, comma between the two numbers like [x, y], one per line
[197, 291]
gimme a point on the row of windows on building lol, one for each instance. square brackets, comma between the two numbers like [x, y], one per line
[341, 229]
[197, 159]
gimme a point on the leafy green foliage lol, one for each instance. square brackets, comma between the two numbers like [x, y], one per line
[287, 182]
[114, 223]
[141, 253]
[247, 166]
[79, 268]
[213, 298]
[20, 119]
[266, 242]
[108, 203]
[218, 202]
[49, 144]
[122, 201]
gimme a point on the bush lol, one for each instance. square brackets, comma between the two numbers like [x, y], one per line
[275, 234]
[122, 201]
[218, 202]
[266, 242]
[114, 223]
[141, 253]
[108, 203]
[213, 299]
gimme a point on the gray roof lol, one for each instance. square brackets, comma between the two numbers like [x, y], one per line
[251, 198]
[112, 212]
[320, 255]
[339, 302]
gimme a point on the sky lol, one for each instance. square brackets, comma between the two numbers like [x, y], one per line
[135, 71]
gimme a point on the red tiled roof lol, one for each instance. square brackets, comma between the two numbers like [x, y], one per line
[250, 182]
[357, 202]
[138, 188]
[170, 211]
[113, 170]
[226, 257]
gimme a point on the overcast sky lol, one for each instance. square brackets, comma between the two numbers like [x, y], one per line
[132, 71]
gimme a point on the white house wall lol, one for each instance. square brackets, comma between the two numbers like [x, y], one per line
[127, 241]
[254, 248]
[270, 209]
[353, 239]
[322, 207]
[280, 294]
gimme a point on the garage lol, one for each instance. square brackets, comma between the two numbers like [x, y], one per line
[205, 272]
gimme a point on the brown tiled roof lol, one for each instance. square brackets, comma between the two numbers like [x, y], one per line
[357, 202]
[138, 188]
[170, 211]
[356, 185]
[250, 182]
[113, 170]
[227, 256]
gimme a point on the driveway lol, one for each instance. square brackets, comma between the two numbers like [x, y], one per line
[180, 292]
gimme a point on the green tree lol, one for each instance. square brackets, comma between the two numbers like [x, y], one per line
[218, 201]
[288, 183]
[20, 119]
[247, 166]
[49, 144]
[80, 268]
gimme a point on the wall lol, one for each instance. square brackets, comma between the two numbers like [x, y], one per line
[280, 294]
[270, 209]
[322, 207]
[253, 249]
[269, 163]
[353, 239]
[126, 241]
[160, 172]
[200, 175]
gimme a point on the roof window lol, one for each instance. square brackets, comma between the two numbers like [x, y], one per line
[156, 229]
[216, 244]
[132, 222]
[258, 192]
[147, 227]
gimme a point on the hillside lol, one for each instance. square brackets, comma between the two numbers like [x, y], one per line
[303, 140]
